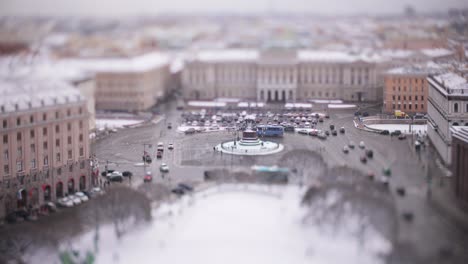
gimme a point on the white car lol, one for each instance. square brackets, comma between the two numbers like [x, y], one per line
[65, 202]
[82, 196]
[345, 149]
[75, 199]
[170, 146]
[164, 167]
[362, 145]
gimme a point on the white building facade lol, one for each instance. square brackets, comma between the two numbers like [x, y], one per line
[447, 107]
[281, 75]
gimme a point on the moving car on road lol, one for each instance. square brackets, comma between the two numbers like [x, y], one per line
[334, 133]
[342, 130]
[385, 132]
[115, 177]
[363, 159]
[159, 154]
[351, 144]
[170, 146]
[401, 136]
[332, 127]
[345, 149]
[164, 167]
[369, 153]
[362, 145]
[148, 177]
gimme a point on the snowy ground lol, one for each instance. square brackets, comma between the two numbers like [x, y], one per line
[239, 224]
[267, 148]
[341, 106]
[115, 123]
[404, 128]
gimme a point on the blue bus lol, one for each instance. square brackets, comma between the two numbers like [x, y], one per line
[270, 131]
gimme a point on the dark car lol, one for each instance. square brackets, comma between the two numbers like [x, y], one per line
[185, 187]
[396, 133]
[334, 133]
[369, 153]
[169, 126]
[357, 113]
[178, 191]
[401, 136]
[288, 129]
[115, 178]
[147, 158]
[313, 133]
[159, 155]
[363, 159]
[190, 131]
[327, 133]
[342, 130]
[385, 132]
[127, 174]
[332, 127]
[104, 173]
[365, 114]
[11, 218]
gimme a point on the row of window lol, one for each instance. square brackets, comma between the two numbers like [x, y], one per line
[44, 133]
[456, 108]
[394, 88]
[20, 122]
[409, 80]
[408, 107]
[416, 98]
[19, 164]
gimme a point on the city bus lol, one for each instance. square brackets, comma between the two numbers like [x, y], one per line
[270, 130]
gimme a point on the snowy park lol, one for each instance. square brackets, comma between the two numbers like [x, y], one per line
[239, 224]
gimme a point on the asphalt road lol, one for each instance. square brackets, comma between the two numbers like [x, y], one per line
[426, 238]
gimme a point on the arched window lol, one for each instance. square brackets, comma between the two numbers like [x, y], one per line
[455, 107]
[455, 124]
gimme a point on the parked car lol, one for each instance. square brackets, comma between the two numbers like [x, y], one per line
[190, 131]
[351, 144]
[185, 187]
[148, 177]
[345, 149]
[96, 191]
[357, 113]
[401, 136]
[396, 133]
[75, 199]
[385, 132]
[147, 158]
[303, 132]
[65, 202]
[342, 130]
[170, 146]
[365, 114]
[320, 120]
[178, 190]
[82, 196]
[362, 145]
[51, 207]
[164, 167]
[322, 135]
[369, 153]
[313, 133]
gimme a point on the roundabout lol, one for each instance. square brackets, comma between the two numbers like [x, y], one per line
[249, 145]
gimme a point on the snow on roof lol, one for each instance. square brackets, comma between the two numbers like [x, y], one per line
[140, 63]
[23, 94]
[460, 132]
[396, 54]
[422, 69]
[323, 101]
[334, 56]
[227, 55]
[434, 53]
[450, 83]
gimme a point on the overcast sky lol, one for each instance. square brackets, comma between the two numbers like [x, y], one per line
[134, 7]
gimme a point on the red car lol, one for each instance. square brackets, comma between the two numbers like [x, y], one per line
[148, 177]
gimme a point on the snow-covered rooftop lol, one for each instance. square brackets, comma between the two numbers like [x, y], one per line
[140, 63]
[334, 56]
[417, 69]
[434, 53]
[20, 94]
[227, 55]
[450, 83]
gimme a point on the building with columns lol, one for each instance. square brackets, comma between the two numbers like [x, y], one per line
[44, 143]
[447, 107]
[280, 75]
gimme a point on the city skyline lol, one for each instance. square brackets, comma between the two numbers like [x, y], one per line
[158, 7]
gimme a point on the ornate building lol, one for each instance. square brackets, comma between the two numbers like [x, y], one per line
[278, 75]
[44, 143]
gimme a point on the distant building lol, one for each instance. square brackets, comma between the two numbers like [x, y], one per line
[447, 107]
[281, 75]
[44, 143]
[406, 88]
[460, 162]
[127, 84]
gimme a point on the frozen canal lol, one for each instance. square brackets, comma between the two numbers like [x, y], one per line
[239, 224]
